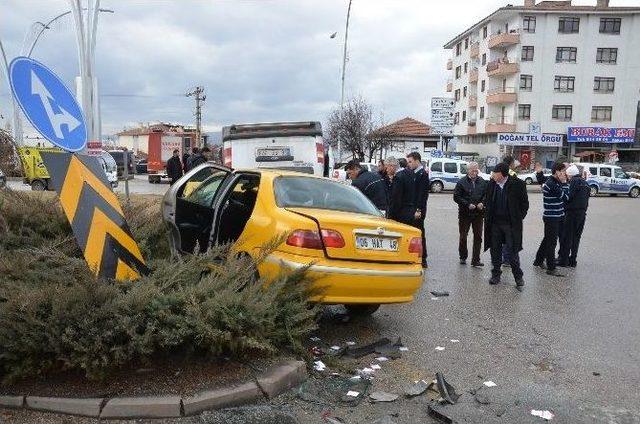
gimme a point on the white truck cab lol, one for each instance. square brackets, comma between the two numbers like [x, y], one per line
[610, 179]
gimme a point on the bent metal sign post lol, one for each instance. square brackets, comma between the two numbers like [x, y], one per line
[522, 139]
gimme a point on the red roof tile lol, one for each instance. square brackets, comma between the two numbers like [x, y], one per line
[407, 127]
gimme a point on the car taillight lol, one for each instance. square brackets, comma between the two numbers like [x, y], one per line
[415, 246]
[332, 238]
[305, 238]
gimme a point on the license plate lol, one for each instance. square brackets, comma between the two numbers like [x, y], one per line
[273, 152]
[376, 243]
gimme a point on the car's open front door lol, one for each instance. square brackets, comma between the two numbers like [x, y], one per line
[187, 207]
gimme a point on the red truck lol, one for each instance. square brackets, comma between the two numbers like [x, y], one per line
[161, 147]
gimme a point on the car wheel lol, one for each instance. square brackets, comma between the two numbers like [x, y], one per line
[38, 185]
[634, 192]
[593, 191]
[358, 310]
[437, 187]
[528, 180]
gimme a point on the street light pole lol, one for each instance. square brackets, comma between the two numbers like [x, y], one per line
[344, 65]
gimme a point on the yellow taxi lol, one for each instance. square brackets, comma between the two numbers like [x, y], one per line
[360, 258]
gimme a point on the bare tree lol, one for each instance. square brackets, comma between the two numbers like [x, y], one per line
[356, 129]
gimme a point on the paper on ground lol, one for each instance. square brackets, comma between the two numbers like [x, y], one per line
[353, 393]
[403, 349]
[490, 384]
[382, 359]
[439, 348]
[319, 366]
[547, 415]
[455, 341]
[375, 366]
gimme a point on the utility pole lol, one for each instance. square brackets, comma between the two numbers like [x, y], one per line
[200, 97]
[344, 65]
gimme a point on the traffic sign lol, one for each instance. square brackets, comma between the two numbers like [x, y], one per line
[48, 104]
[95, 215]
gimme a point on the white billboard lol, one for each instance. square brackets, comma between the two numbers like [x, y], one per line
[442, 115]
[521, 139]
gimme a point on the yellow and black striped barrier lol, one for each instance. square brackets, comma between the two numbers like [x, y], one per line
[96, 216]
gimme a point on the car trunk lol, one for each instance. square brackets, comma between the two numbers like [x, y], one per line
[366, 237]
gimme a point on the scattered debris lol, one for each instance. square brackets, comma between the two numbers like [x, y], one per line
[546, 415]
[375, 367]
[455, 341]
[335, 348]
[359, 352]
[384, 420]
[316, 351]
[482, 397]
[439, 293]
[379, 396]
[436, 412]
[439, 348]
[314, 339]
[435, 298]
[416, 389]
[332, 390]
[597, 374]
[500, 411]
[331, 420]
[403, 349]
[447, 392]
[490, 383]
[382, 359]
[350, 343]
[353, 393]
[319, 366]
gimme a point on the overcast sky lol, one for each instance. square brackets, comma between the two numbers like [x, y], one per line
[259, 60]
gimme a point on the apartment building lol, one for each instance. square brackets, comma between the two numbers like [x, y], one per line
[548, 79]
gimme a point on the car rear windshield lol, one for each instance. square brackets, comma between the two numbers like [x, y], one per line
[316, 193]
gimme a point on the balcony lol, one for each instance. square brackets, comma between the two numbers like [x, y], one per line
[474, 50]
[473, 75]
[471, 128]
[500, 124]
[502, 95]
[504, 39]
[473, 101]
[449, 65]
[449, 86]
[502, 67]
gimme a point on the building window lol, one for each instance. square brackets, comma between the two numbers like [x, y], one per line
[484, 58]
[481, 112]
[604, 84]
[527, 53]
[482, 86]
[466, 43]
[566, 54]
[526, 82]
[456, 95]
[610, 25]
[464, 115]
[601, 113]
[458, 71]
[458, 49]
[484, 32]
[524, 112]
[529, 24]
[569, 25]
[466, 67]
[456, 118]
[564, 84]
[607, 55]
[562, 112]
[464, 91]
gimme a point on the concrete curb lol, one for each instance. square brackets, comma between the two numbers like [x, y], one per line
[272, 382]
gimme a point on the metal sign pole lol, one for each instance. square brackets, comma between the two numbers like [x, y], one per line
[125, 173]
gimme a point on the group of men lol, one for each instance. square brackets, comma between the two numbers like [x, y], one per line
[400, 192]
[177, 167]
[500, 206]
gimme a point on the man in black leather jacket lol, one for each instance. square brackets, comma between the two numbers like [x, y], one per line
[576, 215]
[469, 195]
[369, 183]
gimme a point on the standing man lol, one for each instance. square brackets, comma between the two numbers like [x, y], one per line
[576, 214]
[469, 195]
[186, 158]
[421, 189]
[369, 183]
[402, 202]
[199, 157]
[506, 204]
[174, 167]
[555, 193]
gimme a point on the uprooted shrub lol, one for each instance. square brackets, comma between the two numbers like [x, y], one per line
[69, 321]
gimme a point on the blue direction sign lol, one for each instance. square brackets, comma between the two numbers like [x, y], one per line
[48, 104]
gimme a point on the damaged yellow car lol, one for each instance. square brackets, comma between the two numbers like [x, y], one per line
[360, 258]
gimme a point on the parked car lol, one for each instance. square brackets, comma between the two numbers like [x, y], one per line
[359, 257]
[610, 179]
[530, 177]
[3, 179]
[444, 173]
[141, 166]
[118, 155]
[340, 174]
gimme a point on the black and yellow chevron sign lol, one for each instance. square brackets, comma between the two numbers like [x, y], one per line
[95, 215]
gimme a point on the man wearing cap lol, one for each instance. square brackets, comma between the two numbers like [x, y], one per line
[369, 183]
[575, 216]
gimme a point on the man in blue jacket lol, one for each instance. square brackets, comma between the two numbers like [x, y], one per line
[555, 193]
[576, 214]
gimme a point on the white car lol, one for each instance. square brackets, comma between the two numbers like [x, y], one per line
[530, 177]
[341, 175]
[610, 179]
[444, 173]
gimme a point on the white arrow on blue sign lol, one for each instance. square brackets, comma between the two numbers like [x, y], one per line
[48, 104]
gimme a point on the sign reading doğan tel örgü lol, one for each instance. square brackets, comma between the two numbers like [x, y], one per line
[521, 139]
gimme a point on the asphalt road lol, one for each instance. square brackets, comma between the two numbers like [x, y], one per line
[138, 185]
[568, 345]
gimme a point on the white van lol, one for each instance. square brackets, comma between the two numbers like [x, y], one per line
[610, 179]
[293, 146]
[444, 173]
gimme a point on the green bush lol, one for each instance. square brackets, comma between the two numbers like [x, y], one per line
[55, 323]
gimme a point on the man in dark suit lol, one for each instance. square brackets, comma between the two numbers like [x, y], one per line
[421, 189]
[174, 167]
[506, 204]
